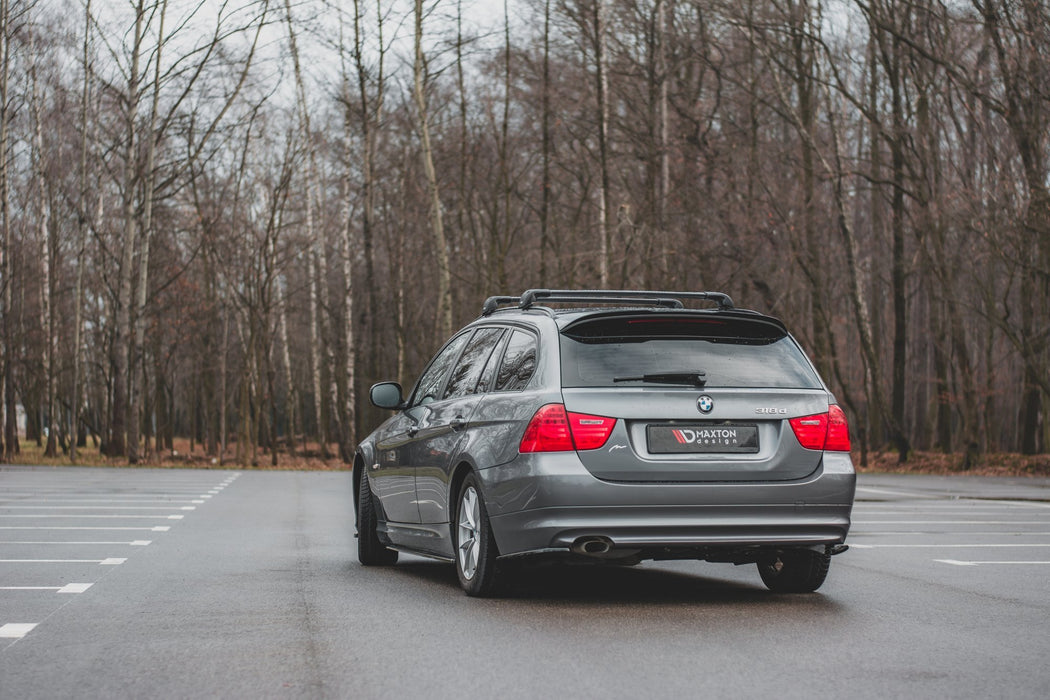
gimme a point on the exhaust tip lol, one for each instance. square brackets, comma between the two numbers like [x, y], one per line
[592, 546]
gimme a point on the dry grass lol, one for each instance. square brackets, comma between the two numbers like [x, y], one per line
[306, 457]
[1002, 464]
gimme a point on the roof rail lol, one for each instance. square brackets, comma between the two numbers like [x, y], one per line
[671, 300]
[622, 296]
[493, 303]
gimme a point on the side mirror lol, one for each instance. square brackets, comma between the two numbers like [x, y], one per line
[386, 395]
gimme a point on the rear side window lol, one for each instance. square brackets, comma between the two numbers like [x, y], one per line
[519, 362]
[464, 377]
[731, 352]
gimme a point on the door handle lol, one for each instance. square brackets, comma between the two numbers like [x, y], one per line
[458, 423]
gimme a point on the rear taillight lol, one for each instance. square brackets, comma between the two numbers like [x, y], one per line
[823, 431]
[548, 431]
[553, 429]
[838, 430]
[590, 432]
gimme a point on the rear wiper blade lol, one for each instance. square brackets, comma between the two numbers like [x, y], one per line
[694, 378]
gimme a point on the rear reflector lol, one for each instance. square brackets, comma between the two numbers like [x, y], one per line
[823, 431]
[552, 429]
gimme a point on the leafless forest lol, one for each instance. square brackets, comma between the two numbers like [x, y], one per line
[224, 220]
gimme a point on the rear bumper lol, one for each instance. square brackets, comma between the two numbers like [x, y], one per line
[546, 503]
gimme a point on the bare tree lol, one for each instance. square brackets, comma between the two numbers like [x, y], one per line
[437, 225]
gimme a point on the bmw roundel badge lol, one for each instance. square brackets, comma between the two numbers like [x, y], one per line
[705, 403]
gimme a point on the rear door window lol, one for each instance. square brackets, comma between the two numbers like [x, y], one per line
[731, 352]
[429, 387]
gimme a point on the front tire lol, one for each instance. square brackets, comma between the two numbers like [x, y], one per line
[795, 571]
[475, 546]
[370, 551]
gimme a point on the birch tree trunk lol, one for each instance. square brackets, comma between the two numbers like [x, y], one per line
[437, 226]
[8, 437]
[117, 446]
[370, 123]
[137, 367]
[315, 352]
[546, 148]
[82, 219]
[602, 85]
[43, 211]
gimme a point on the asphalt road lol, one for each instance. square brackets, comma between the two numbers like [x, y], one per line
[183, 584]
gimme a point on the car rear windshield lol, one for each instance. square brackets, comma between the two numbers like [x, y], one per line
[730, 352]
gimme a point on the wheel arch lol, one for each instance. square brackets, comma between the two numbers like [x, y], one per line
[357, 473]
[459, 474]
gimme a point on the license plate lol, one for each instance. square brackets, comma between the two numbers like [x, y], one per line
[702, 439]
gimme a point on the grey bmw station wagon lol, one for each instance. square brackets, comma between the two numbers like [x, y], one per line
[610, 427]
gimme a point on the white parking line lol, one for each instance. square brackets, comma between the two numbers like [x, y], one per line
[104, 562]
[947, 522]
[940, 546]
[133, 543]
[155, 528]
[891, 492]
[78, 516]
[68, 588]
[97, 508]
[926, 533]
[955, 562]
[928, 513]
[16, 630]
[181, 500]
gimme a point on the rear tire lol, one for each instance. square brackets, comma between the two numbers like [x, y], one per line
[476, 550]
[370, 551]
[795, 571]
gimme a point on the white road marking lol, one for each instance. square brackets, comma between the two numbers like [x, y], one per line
[892, 492]
[158, 528]
[939, 546]
[68, 588]
[75, 587]
[926, 533]
[949, 522]
[97, 508]
[134, 543]
[961, 513]
[77, 516]
[104, 562]
[955, 562]
[16, 630]
[96, 500]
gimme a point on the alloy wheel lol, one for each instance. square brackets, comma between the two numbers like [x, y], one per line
[469, 538]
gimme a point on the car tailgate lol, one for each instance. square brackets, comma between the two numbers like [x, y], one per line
[661, 434]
